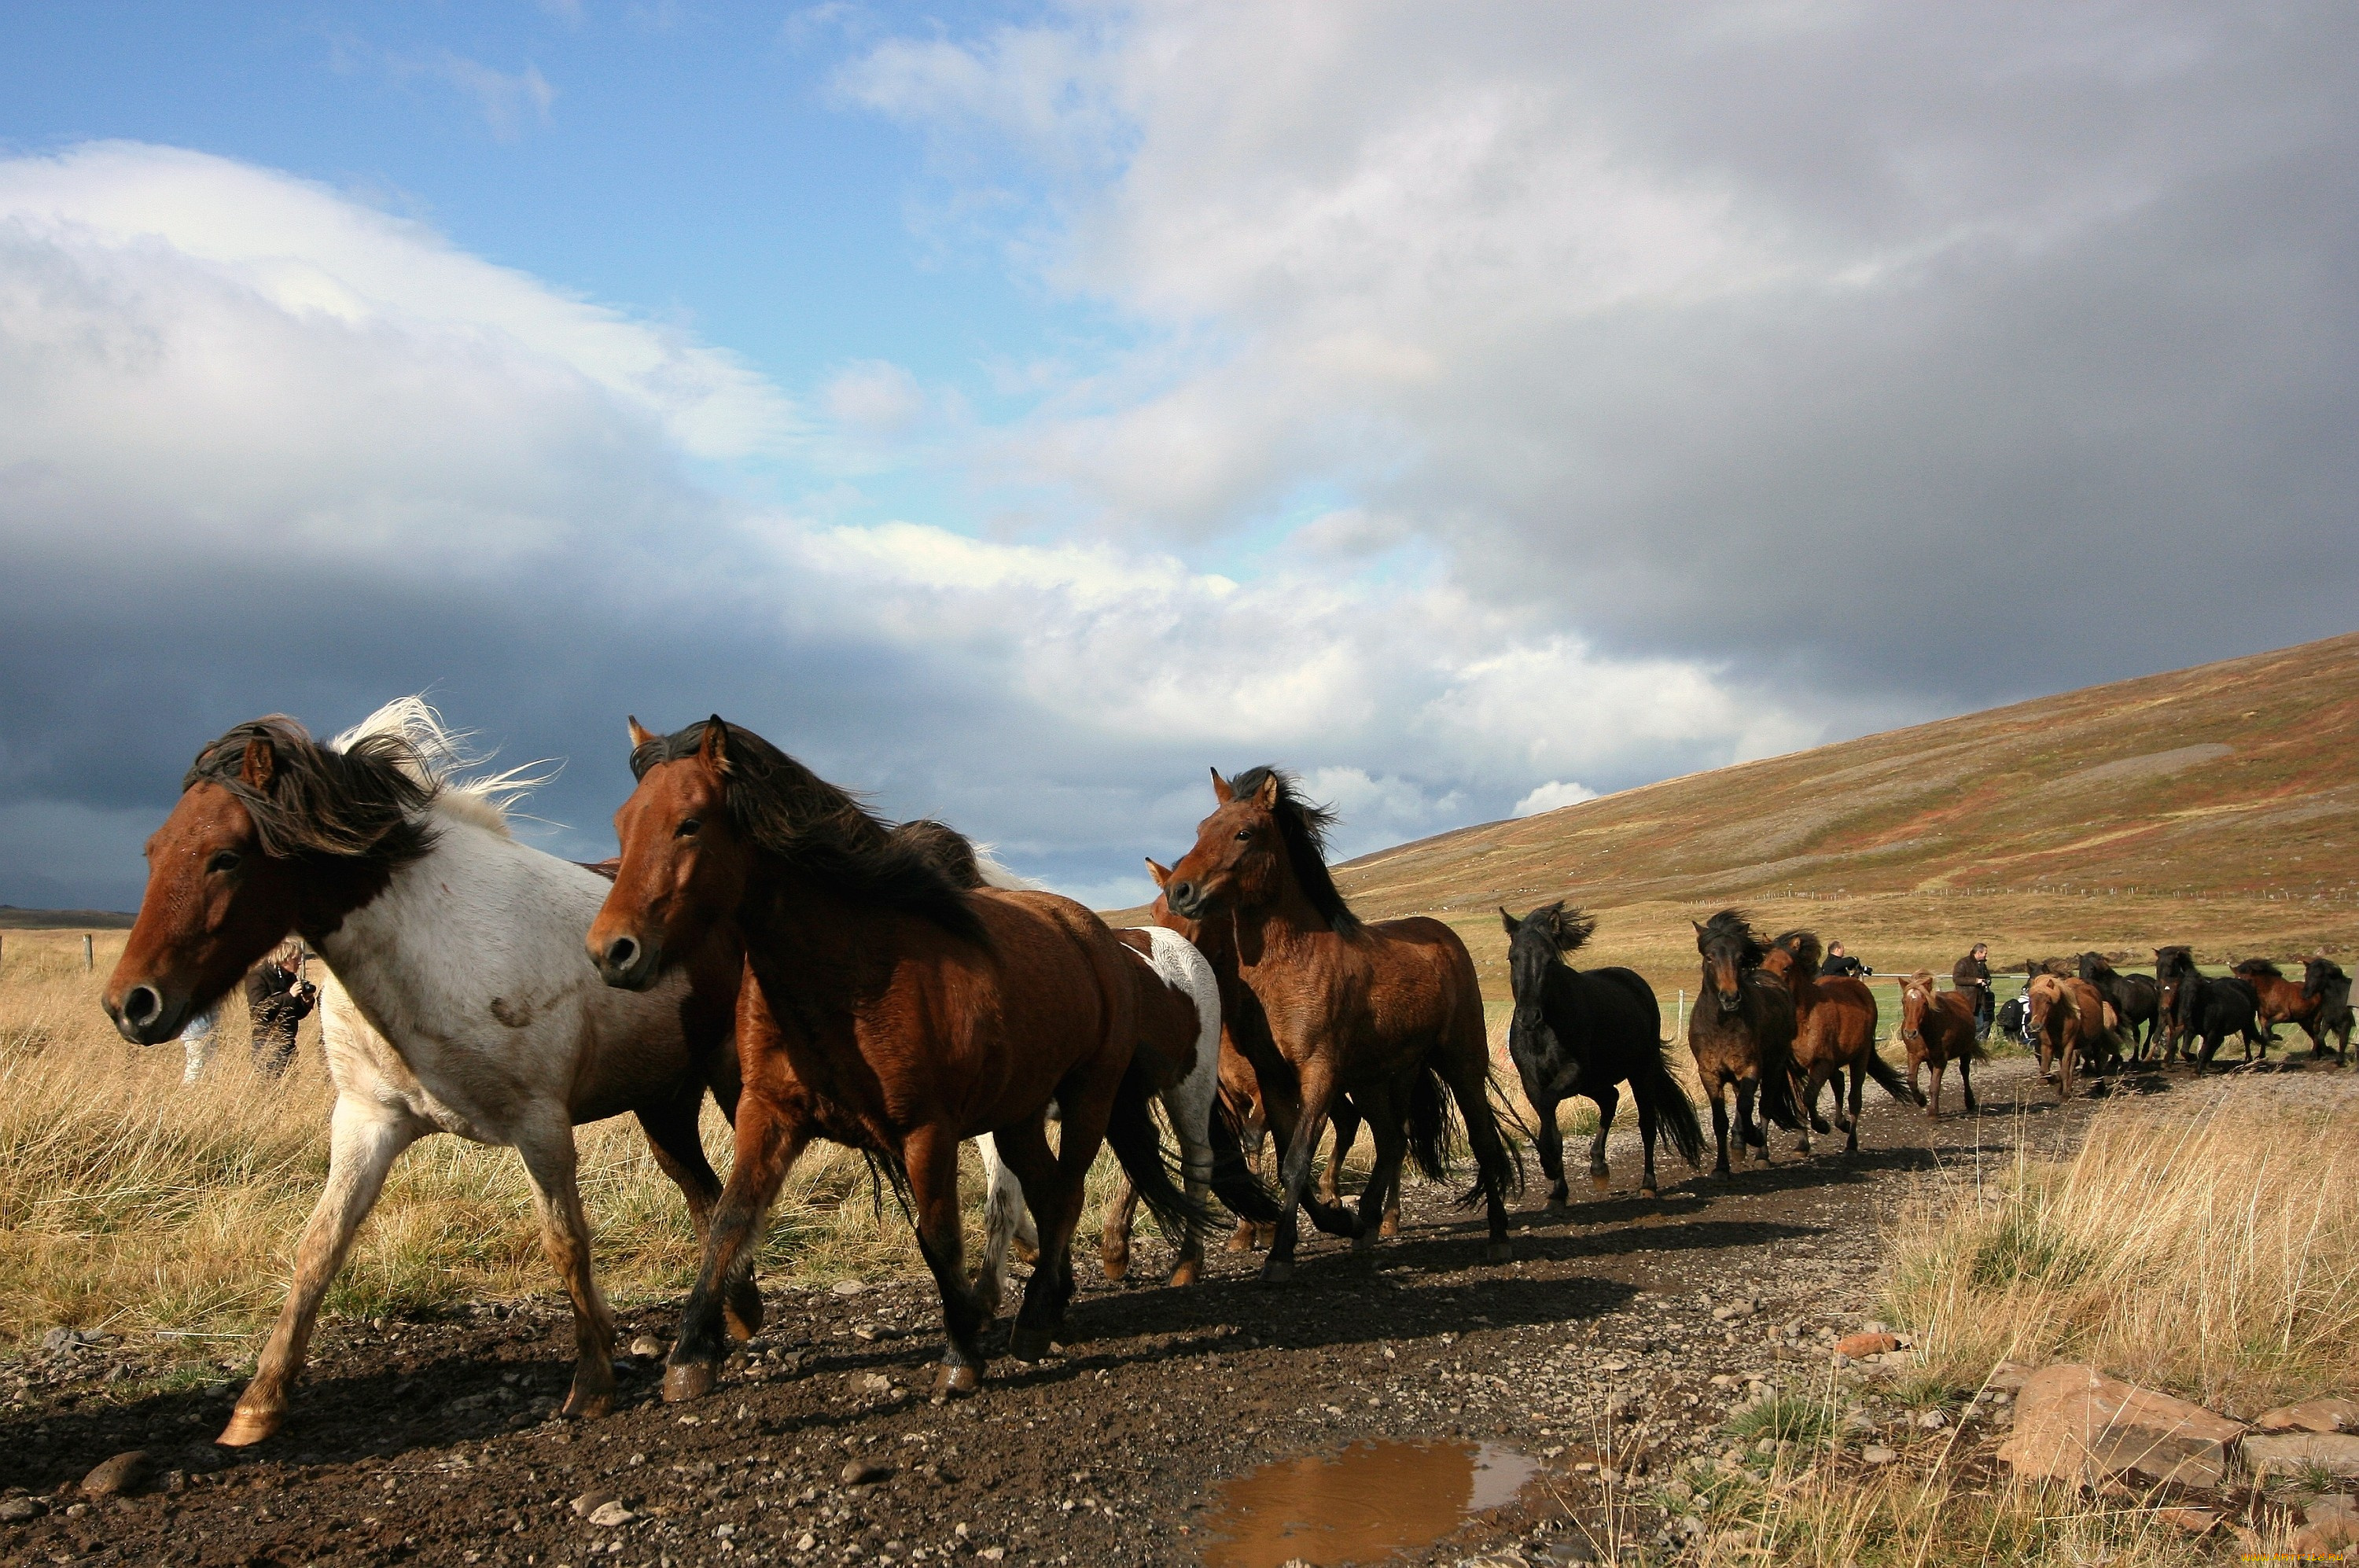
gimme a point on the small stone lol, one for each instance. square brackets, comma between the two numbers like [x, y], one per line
[847, 1288]
[2074, 1423]
[647, 1347]
[606, 1516]
[124, 1473]
[590, 1502]
[723, 1532]
[2312, 1415]
[1679, 1490]
[864, 1472]
[871, 1383]
[2290, 1452]
[2194, 1521]
[1932, 1421]
[1876, 1454]
[1859, 1344]
[805, 1541]
[15, 1511]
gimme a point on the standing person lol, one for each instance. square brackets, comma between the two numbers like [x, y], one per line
[280, 1000]
[1839, 963]
[197, 1040]
[1971, 973]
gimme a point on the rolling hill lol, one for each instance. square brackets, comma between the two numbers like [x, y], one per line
[2217, 805]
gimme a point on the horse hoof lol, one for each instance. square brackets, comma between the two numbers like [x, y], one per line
[1188, 1272]
[688, 1380]
[248, 1427]
[1239, 1241]
[741, 1314]
[1599, 1184]
[955, 1382]
[1027, 1343]
[1276, 1270]
[1116, 1267]
[1391, 1227]
[1648, 1193]
[1365, 1242]
[1499, 1252]
[580, 1405]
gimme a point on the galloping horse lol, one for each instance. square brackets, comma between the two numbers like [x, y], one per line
[2323, 979]
[1582, 1033]
[462, 1004]
[1834, 1029]
[2284, 1001]
[1938, 1027]
[2137, 1000]
[2209, 1010]
[911, 1013]
[1390, 1013]
[1745, 1042]
[2069, 1019]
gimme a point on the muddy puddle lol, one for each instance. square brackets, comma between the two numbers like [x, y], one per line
[1360, 1506]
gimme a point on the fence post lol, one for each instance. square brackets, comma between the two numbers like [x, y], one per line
[1679, 1027]
[89, 962]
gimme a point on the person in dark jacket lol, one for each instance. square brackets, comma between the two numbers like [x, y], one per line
[1971, 973]
[1838, 964]
[279, 1000]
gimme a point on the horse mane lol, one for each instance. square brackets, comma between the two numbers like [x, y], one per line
[2261, 967]
[824, 830]
[2320, 974]
[1302, 828]
[435, 758]
[364, 799]
[1735, 925]
[2095, 968]
[1804, 947]
[1567, 926]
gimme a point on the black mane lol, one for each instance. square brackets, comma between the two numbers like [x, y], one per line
[359, 803]
[819, 828]
[1733, 925]
[1302, 827]
[1803, 945]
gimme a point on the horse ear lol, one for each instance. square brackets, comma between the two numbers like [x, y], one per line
[1513, 924]
[261, 764]
[713, 752]
[1556, 922]
[1698, 926]
[1266, 796]
[639, 736]
[1162, 874]
[1221, 790]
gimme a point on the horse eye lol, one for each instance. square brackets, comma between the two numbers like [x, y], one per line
[223, 860]
[1244, 834]
[688, 828]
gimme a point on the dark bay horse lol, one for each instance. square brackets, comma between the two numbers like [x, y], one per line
[1389, 1013]
[1834, 1029]
[1583, 1031]
[2283, 1001]
[912, 1013]
[1743, 1041]
[2323, 979]
[2137, 1000]
[1937, 1028]
[460, 1004]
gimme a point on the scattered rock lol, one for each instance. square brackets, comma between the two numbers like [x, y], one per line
[1932, 1421]
[2194, 1521]
[647, 1347]
[15, 1511]
[1858, 1345]
[2312, 1415]
[2074, 1423]
[2007, 1374]
[1876, 1454]
[871, 1383]
[2287, 1452]
[124, 1473]
[2329, 1525]
[847, 1287]
[590, 1502]
[606, 1516]
[864, 1473]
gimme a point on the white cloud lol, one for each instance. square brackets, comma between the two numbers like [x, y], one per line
[1549, 796]
[875, 398]
[506, 100]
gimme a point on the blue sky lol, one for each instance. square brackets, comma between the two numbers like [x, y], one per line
[1012, 410]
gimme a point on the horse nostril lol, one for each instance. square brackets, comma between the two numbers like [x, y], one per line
[622, 952]
[143, 1006]
[1183, 893]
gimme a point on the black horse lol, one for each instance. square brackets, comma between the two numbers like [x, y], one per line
[2137, 1000]
[2322, 980]
[1582, 1033]
[2209, 1010]
[2171, 965]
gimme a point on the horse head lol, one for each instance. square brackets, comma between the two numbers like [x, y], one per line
[1262, 840]
[1916, 1001]
[272, 833]
[1534, 945]
[1729, 949]
[685, 855]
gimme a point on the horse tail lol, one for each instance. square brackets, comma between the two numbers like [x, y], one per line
[1890, 1081]
[1777, 1102]
[1654, 1087]
[1137, 1146]
[1234, 1181]
[1503, 1116]
[1434, 1135]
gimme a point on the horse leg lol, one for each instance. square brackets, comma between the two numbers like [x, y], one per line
[1851, 1123]
[930, 1156]
[1114, 1235]
[1806, 1097]
[1059, 1178]
[549, 1159]
[1188, 1106]
[672, 1138]
[1004, 1222]
[1324, 1203]
[769, 1139]
[1469, 1076]
[364, 1139]
[1384, 1176]
[1253, 1136]
[1933, 1070]
[1294, 1170]
[1609, 1099]
[1646, 1142]
[1754, 1133]
[1549, 1139]
[1720, 1130]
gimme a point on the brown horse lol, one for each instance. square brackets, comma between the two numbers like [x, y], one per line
[1241, 1073]
[1390, 1013]
[2323, 979]
[461, 1005]
[2284, 1001]
[2069, 1019]
[1742, 1042]
[912, 1012]
[1834, 1029]
[1938, 1027]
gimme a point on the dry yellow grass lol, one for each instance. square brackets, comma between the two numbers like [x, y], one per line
[130, 1204]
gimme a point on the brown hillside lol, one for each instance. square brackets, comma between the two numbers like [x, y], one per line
[2217, 805]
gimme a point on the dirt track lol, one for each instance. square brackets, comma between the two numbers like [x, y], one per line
[429, 1439]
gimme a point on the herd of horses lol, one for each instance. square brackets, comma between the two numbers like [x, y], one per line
[764, 939]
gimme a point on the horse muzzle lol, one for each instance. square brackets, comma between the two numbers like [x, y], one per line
[628, 962]
[146, 1015]
[1731, 1002]
[1187, 900]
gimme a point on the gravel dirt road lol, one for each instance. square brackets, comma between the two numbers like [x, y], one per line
[1611, 1349]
